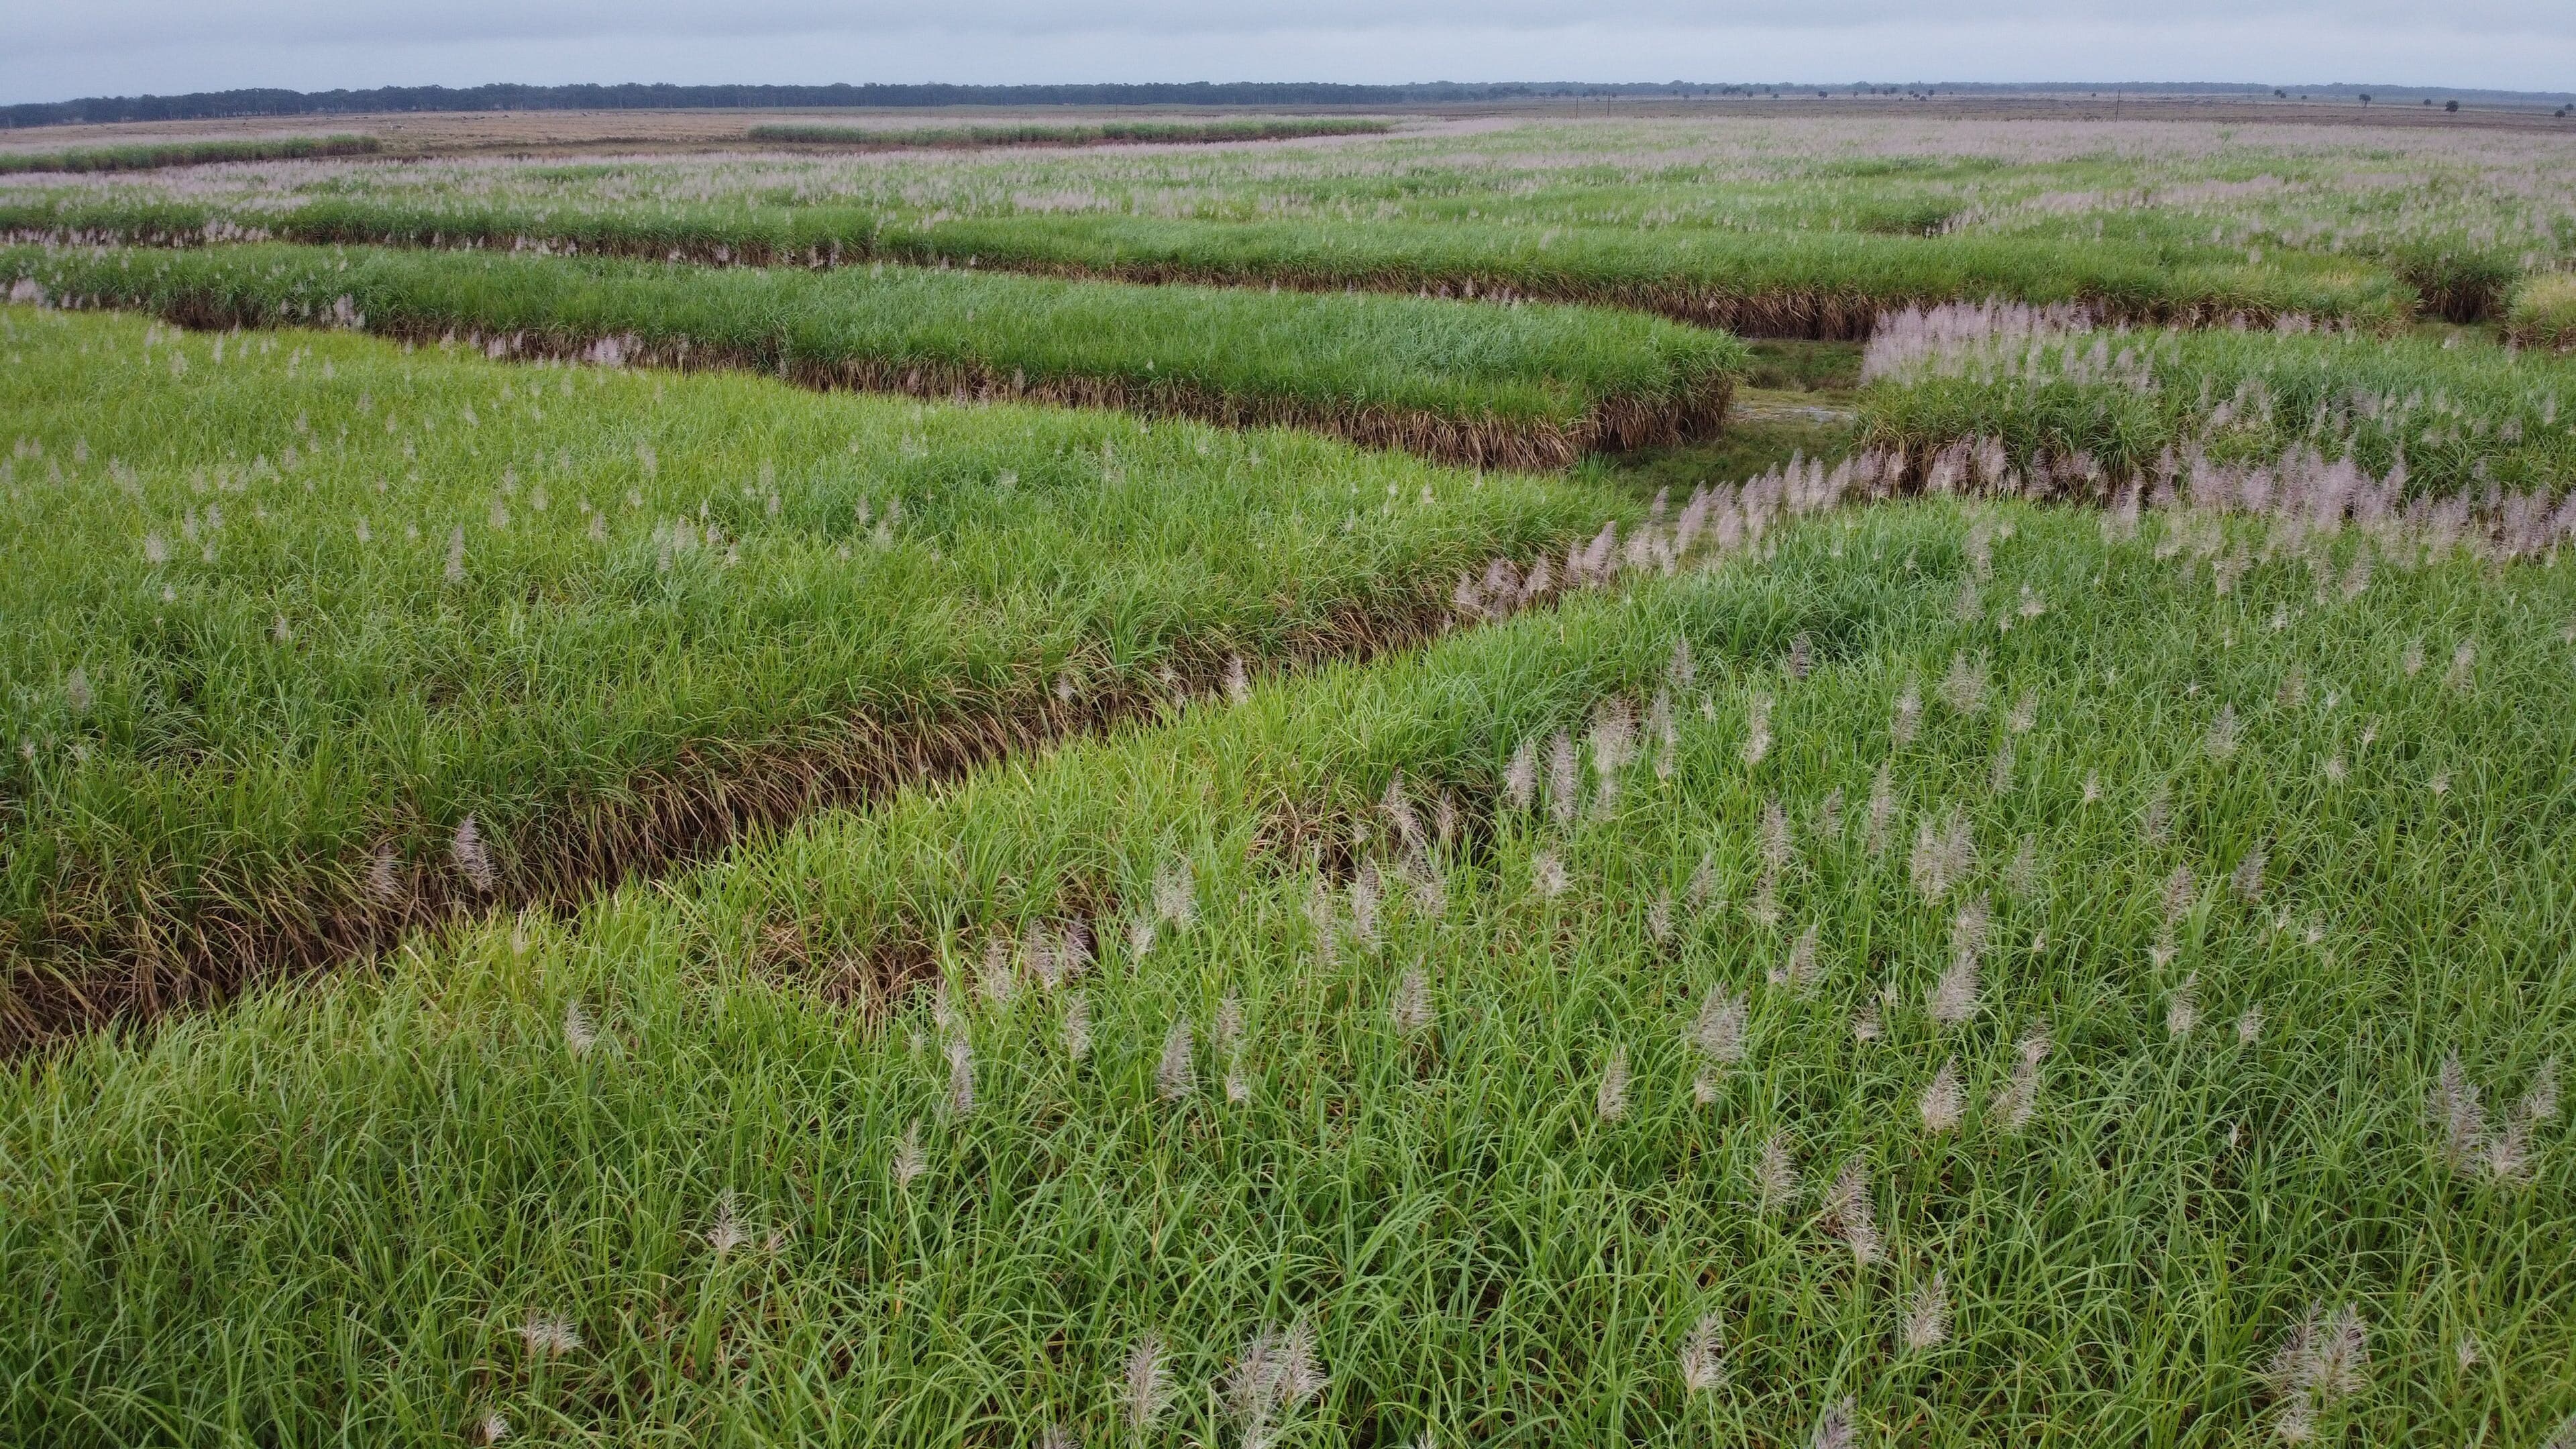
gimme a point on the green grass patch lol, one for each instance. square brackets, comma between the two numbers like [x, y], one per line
[154, 155]
[1990, 1020]
[1520, 387]
[2543, 313]
[2459, 420]
[287, 609]
[1775, 284]
[1106, 133]
[1785, 365]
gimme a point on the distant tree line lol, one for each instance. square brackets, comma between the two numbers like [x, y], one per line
[206, 104]
[637, 97]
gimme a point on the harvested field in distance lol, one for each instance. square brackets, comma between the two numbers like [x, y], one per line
[1534, 387]
[2453, 216]
[2132, 1007]
[288, 609]
[154, 156]
[1103, 133]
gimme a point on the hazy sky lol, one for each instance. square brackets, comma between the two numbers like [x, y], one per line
[63, 48]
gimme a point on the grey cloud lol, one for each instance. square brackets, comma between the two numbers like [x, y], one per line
[110, 24]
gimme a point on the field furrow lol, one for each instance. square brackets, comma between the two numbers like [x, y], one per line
[314, 638]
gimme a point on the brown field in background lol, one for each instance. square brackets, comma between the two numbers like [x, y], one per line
[434, 133]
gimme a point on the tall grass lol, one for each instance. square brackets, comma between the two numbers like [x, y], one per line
[2543, 312]
[1773, 284]
[1536, 386]
[1104, 133]
[287, 610]
[1553, 1113]
[2452, 420]
[155, 155]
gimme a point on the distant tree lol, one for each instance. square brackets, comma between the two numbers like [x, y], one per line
[2452, 106]
[2365, 98]
[2280, 94]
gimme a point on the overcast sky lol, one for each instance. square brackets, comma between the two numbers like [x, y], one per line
[59, 49]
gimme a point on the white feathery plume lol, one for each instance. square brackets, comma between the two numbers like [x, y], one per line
[1953, 999]
[1703, 883]
[727, 1232]
[1176, 894]
[1943, 1102]
[1799, 971]
[1611, 1098]
[2540, 1103]
[1399, 813]
[1719, 1032]
[1547, 875]
[2322, 1359]
[1323, 917]
[998, 978]
[2182, 1009]
[1835, 1427]
[1563, 782]
[2021, 878]
[2459, 1121]
[1145, 1391]
[1757, 730]
[1302, 1376]
[549, 1335]
[1366, 891]
[1927, 1317]
[1077, 1026]
[2248, 877]
[1775, 1176]
[1964, 688]
[1411, 1010]
[473, 857]
[383, 882]
[1520, 777]
[961, 1077]
[2249, 1027]
[1174, 1078]
[2221, 740]
[1908, 717]
[907, 1161]
[579, 1035]
[1776, 849]
[1703, 1356]
[1851, 1215]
